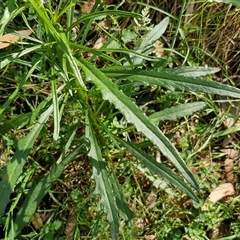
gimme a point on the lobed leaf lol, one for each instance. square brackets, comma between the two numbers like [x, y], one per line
[103, 182]
[176, 112]
[173, 81]
[136, 116]
[193, 71]
[124, 211]
[158, 168]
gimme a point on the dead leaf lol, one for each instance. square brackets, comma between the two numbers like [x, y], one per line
[141, 223]
[88, 6]
[214, 234]
[220, 192]
[227, 140]
[229, 170]
[231, 153]
[10, 38]
[207, 161]
[159, 49]
[150, 237]
[151, 200]
[71, 224]
[189, 11]
[37, 221]
[99, 43]
[195, 170]
[233, 114]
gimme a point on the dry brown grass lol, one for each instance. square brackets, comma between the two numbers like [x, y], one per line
[210, 28]
[221, 35]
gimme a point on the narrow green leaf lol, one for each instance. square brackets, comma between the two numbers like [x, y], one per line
[131, 52]
[15, 122]
[176, 112]
[193, 71]
[155, 33]
[10, 12]
[62, 46]
[136, 116]
[155, 179]
[19, 87]
[66, 9]
[10, 174]
[7, 15]
[173, 81]
[7, 58]
[147, 44]
[124, 211]
[226, 132]
[36, 193]
[42, 104]
[157, 9]
[13, 95]
[56, 114]
[103, 13]
[158, 168]
[99, 52]
[103, 182]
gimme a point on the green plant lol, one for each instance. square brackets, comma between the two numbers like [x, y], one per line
[87, 93]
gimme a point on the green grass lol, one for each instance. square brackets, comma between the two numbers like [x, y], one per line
[110, 141]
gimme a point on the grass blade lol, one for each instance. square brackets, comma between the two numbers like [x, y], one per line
[10, 12]
[19, 87]
[62, 49]
[103, 13]
[36, 194]
[56, 113]
[15, 122]
[136, 116]
[7, 58]
[10, 174]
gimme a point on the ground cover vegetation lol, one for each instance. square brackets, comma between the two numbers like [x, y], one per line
[119, 120]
